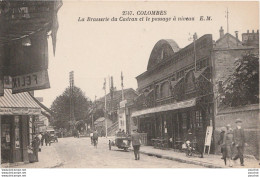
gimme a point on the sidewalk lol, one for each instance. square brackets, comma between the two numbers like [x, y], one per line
[48, 158]
[209, 161]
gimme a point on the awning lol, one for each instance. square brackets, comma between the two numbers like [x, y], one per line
[18, 104]
[168, 107]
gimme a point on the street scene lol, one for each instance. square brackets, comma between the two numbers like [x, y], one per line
[81, 89]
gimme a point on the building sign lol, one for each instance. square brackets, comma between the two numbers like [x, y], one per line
[19, 111]
[208, 137]
[39, 123]
[168, 107]
[123, 103]
[29, 82]
[122, 120]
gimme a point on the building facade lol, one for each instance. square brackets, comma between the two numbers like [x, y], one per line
[17, 115]
[179, 90]
[174, 96]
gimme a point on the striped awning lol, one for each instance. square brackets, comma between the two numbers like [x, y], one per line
[167, 107]
[18, 104]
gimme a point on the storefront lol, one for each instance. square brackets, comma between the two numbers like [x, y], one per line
[17, 114]
[172, 122]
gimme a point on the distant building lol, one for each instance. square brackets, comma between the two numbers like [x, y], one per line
[118, 116]
[100, 125]
[251, 39]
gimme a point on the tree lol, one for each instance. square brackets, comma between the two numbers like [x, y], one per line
[61, 107]
[243, 86]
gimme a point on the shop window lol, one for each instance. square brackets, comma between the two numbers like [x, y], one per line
[30, 130]
[6, 137]
[198, 118]
[184, 121]
[17, 132]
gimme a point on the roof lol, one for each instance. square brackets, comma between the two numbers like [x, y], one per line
[117, 94]
[101, 119]
[43, 107]
[164, 48]
[18, 100]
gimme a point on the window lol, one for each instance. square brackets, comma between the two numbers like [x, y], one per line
[17, 131]
[198, 119]
[157, 91]
[165, 89]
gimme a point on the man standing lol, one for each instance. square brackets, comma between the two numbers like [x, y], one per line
[35, 146]
[95, 138]
[136, 143]
[239, 141]
[220, 142]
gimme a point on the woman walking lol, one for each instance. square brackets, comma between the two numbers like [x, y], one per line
[228, 145]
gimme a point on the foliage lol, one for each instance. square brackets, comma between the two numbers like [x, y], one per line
[61, 107]
[243, 86]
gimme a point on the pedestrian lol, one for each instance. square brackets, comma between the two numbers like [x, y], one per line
[47, 139]
[43, 138]
[35, 146]
[220, 142]
[227, 145]
[95, 138]
[188, 142]
[239, 141]
[40, 139]
[136, 143]
[91, 137]
[200, 137]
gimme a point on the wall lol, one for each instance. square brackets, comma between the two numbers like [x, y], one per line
[250, 117]
[224, 61]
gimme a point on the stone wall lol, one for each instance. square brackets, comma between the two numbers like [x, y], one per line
[251, 123]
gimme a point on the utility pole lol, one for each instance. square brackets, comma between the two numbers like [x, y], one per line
[227, 20]
[122, 85]
[194, 42]
[227, 12]
[71, 74]
[105, 114]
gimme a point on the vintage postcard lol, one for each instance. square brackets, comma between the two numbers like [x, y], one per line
[113, 84]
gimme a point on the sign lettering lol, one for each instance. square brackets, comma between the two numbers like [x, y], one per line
[29, 82]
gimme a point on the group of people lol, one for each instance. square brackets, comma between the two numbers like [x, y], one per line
[38, 142]
[231, 141]
[121, 133]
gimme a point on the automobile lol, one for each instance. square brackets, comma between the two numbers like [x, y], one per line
[121, 141]
[53, 134]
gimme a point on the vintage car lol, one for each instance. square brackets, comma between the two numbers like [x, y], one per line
[121, 141]
[53, 134]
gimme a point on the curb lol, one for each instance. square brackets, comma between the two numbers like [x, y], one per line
[194, 162]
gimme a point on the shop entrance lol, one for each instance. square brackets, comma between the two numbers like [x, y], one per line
[6, 127]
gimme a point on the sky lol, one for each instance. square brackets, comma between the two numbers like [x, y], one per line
[97, 50]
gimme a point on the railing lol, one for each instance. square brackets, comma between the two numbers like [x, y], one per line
[112, 129]
[143, 138]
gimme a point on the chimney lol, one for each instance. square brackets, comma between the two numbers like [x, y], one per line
[236, 32]
[221, 32]
[247, 31]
